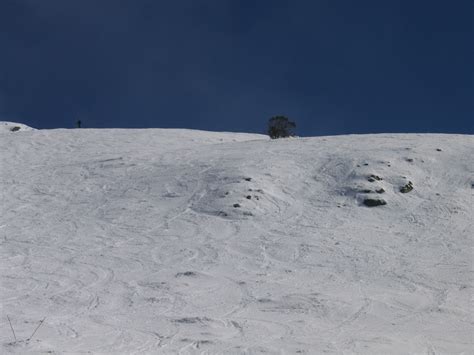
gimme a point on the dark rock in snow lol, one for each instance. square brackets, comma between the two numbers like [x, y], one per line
[236, 205]
[373, 202]
[368, 191]
[249, 197]
[407, 188]
[373, 178]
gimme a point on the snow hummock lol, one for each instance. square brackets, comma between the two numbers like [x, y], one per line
[6, 126]
[166, 241]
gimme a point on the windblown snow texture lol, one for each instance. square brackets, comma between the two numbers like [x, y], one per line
[160, 241]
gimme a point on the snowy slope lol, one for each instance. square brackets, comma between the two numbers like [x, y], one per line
[6, 126]
[128, 241]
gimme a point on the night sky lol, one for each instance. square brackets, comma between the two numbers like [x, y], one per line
[333, 66]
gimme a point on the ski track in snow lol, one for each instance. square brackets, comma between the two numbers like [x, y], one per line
[128, 241]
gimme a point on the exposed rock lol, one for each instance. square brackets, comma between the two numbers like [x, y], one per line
[236, 205]
[249, 197]
[438, 150]
[368, 191]
[373, 178]
[407, 188]
[248, 179]
[373, 202]
[14, 129]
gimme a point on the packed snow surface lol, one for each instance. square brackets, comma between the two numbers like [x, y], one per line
[166, 241]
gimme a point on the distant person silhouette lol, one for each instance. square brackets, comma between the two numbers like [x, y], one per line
[78, 123]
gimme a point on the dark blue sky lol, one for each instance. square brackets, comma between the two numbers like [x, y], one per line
[333, 66]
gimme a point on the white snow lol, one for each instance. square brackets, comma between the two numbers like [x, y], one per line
[6, 126]
[127, 241]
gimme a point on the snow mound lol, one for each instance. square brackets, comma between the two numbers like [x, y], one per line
[231, 193]
[181, 241]
[6, 126]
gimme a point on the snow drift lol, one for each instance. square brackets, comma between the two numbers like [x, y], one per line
[160, 241]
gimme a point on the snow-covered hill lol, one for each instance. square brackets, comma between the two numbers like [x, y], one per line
[6, 126]
[159, 241]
